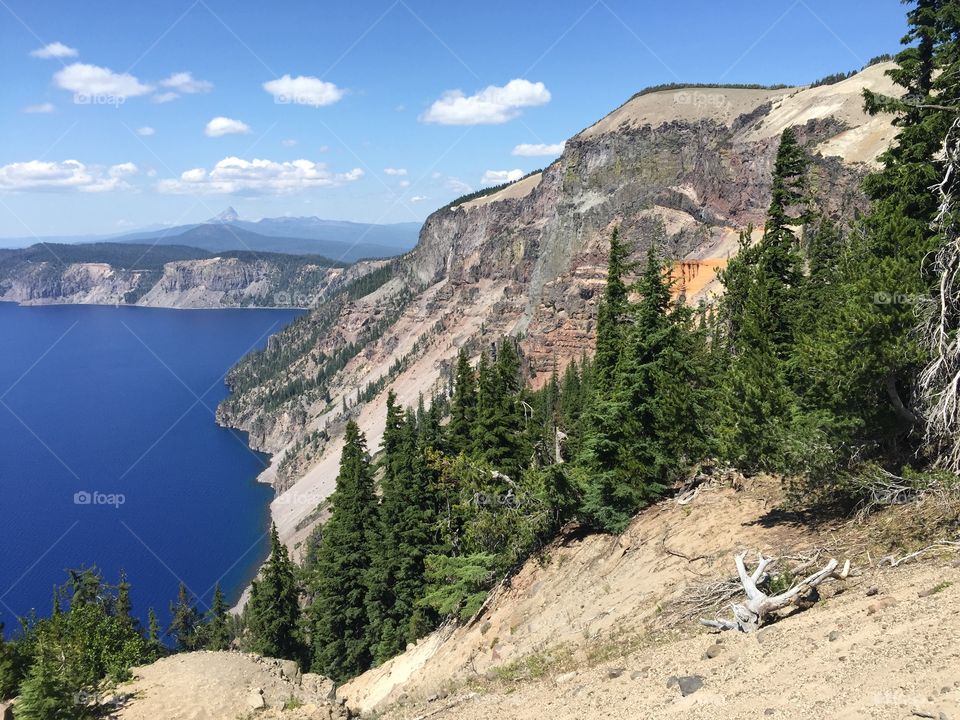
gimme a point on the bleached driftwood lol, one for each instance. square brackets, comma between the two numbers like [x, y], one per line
[939, 330]
[749, 616]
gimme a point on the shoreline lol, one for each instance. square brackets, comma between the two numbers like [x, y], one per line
[156, 307]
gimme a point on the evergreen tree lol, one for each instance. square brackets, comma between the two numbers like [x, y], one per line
[154, 646]
[341, 635]
[274, 610]
[406, 536]
[45, 696]
[612, 313]
[499, 421]
[218, 626]
[639, 434]
[186, 621]
[124, 609]
[463, 406]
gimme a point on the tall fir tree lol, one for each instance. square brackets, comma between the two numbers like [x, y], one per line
[274, 612]
[612, 313]
[406, 536]
[463, 406]
[340, 631]
[186, 621]
[217, 630]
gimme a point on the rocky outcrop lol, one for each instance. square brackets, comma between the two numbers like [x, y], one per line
[216, 282]
[687, 170]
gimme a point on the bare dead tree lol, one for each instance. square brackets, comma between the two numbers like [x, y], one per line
[939, 385]
[749, 616]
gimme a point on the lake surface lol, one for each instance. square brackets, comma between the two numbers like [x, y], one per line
[110, 455]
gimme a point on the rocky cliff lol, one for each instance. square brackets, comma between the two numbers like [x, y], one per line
[241, 280]
[687, 168]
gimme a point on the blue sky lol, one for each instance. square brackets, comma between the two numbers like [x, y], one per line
[117, 115]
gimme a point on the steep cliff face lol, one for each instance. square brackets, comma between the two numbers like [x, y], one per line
[686, 169]
[216, 282]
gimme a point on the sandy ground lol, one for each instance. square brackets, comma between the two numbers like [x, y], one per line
[221, 686]
[853, 656]
[595, 603]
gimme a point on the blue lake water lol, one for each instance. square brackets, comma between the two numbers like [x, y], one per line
[110, 455]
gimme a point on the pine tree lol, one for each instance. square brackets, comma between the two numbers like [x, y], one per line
[44, 696]
[124, 609]
[218, 627]
[499, 421]
[463, 406]
[640, 433]
[338, 616]
[780, 266]
[612, 313]
[154, 647]
[406, 523]
[881, 374]
[186, 621]
[274, 615]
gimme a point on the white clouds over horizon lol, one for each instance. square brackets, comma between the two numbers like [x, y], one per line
[498, 177]
[54, 50]
[89, 81]
[236, 176]
[395, 171]
[145, 131]
[491, 106]
[537, 150]
[303, 90]
[51, 176]
[220, 126]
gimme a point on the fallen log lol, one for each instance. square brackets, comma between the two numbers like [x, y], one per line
[750, 615]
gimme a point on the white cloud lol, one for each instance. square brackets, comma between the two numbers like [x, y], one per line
[535, 150]
[146, 131]
[122, 170]
[54, 50]
[164, 97]
[490, 106]
[184, 82]
[50, 176]
[234, 175]
[181, 83]
[498, 177]
[404, 183]
[92, 81]
[220, 126]
[303, 90]
[418, 198]
[458, 185]
[41, 108]
[394, 171]
[324, 148]
[289, 142]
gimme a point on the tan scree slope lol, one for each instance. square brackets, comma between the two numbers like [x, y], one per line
[601, 605]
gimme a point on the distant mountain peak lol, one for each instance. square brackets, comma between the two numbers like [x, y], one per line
[227, 216]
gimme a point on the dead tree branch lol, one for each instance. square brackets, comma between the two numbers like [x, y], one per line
[749, 616]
